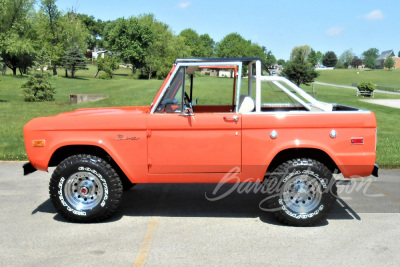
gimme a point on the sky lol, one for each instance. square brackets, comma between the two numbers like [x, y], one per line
[278, 25]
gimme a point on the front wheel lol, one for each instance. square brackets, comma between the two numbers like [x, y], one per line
[85, 188]
[301, 192]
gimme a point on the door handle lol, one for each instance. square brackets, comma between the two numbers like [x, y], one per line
[231, 118]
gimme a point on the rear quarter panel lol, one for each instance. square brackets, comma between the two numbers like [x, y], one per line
[309, 130]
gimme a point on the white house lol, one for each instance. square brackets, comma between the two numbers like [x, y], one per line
[101, 53]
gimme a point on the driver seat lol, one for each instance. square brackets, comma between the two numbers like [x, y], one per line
[246, 104]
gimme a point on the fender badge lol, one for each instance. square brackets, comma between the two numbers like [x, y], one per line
[121, 137]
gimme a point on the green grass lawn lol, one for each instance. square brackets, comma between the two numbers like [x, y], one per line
[126, 91]
[15, 113]
[383, 78]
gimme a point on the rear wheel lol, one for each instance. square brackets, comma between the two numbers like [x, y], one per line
[85, 188]
[303, 192]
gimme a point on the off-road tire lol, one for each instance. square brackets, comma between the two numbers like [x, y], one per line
[301, 192]
[85, 188]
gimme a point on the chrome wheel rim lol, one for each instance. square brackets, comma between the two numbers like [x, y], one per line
[83, 191]
[302, 194]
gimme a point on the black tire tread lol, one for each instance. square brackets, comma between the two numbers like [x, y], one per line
[113, 181]
[273, 204]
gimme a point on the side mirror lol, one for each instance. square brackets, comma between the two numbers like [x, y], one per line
[187, 112]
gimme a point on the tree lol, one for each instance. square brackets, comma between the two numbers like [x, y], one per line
[200, 46]
[302, 51]
[130, 38]
[2, 65]
[37, 88]
[329, 59]
[48, 29]
[370, 56]
[356, 62]
[270, 59]
[164, 49]
[312, 57]
[95, 29]
[174, 49]
[233, 45]
[42, 60]
[73, 31]
[299, 70]
[281, 62]
[208, 45]
[19, 54]
[345, 59]
[191, 39]
[254, 50]
[107, 64]
[16, 35]
[370, 62]
[319, 57]
[389, 63]
[372, 52]
[74, 60]
[57, 32]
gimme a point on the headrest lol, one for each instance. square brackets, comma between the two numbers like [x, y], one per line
[246, 104]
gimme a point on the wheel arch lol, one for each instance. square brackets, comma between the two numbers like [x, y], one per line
[64, 152]
[313, 153]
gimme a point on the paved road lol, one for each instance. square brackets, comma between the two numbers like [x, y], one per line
[355, 88]
[174, 225]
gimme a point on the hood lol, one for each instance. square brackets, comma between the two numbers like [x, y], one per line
[93, 119]
[106, 111]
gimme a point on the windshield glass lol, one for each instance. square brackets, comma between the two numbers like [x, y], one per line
[172, 99]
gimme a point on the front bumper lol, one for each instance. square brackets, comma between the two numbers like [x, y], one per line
[28, 168]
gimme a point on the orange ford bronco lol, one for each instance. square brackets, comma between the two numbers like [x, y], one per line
[203, 129]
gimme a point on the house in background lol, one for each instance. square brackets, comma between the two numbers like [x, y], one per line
[211, 72]
[217, 72]
[98, 53]
[385, 54]
[396, 62]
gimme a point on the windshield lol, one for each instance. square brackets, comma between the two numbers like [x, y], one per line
[172, 99]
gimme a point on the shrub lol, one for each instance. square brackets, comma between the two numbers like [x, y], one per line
[107, 64]
[366, 86]
[74, 60]
[37, 88]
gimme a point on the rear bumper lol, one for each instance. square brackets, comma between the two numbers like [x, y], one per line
[28, 168]
[375, 171]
